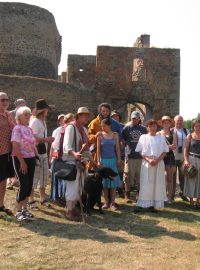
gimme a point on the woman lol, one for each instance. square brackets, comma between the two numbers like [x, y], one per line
[192, 157]
[39, 127]
[170, 168]
[23, 155]
[108, 155]
[58, 187]
[153, 148]
[75, 137]
[6, 170]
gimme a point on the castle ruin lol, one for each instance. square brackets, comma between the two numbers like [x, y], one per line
[30, 51]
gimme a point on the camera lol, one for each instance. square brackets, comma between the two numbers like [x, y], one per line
[180, 149]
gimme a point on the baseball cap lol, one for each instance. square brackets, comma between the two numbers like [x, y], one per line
[135, 114]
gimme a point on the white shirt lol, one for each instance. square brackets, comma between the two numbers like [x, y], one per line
[181, 137]
[152, 145]
[39, 129]
[69, 142]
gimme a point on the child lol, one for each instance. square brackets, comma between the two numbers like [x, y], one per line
[153, 148]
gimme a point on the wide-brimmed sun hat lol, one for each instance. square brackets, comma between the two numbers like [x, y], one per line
[84, 110]
[166, 117]
[40, 106]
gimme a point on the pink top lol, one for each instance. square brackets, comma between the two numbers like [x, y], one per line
[24, 136]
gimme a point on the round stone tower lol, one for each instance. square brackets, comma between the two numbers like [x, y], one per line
[30, 44]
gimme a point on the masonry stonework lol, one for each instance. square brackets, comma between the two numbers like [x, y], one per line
[30, 43]
[30, 49]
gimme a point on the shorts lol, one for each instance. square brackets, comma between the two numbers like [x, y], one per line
[169, 161]
[6, 167]
[131, 175]
[41, 174]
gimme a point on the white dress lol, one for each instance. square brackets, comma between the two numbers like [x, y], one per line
[152, 178]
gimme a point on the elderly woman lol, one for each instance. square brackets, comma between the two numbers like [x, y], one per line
[6, 170]
[192, 157]
[24, 152]
[170, 166]
[153, 148]
[74, 138]
[58, 187]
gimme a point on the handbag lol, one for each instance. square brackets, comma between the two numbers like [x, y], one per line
[62, 169]
[41, 147]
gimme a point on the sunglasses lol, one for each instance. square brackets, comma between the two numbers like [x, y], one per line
[4, 99]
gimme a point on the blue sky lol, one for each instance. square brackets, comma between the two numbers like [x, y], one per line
[84, 24]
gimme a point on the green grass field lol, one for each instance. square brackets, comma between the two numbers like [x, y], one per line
[116, 240]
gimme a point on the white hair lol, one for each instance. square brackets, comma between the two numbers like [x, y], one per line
[177, 116]
[22, 110]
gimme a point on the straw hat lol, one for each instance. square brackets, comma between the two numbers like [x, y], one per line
[84, 110]
[40, 106]
[160, 122]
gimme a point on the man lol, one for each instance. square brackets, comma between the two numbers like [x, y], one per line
[130, 136]
[74, 138]
[181, 134]
[6, 170]
[18, 103]
[94, 128]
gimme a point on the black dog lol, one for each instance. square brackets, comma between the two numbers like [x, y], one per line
[93, 188]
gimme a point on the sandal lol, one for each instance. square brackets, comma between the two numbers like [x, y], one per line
[6, 210]
[45, 203]
[33, 206]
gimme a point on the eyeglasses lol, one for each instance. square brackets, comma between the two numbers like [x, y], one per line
[4, 99]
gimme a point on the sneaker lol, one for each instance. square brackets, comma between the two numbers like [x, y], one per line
[46, 203]
[33, 206]
[113, 206]
[105, 206]
[20, 216]
[27, 214]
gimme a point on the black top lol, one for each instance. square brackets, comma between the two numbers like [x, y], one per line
[194, 147]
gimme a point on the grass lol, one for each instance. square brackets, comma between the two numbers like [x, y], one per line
[116, 240]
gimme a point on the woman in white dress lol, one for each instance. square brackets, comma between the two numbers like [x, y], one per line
[153, 148]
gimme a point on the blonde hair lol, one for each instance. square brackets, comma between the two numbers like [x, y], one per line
[22, 110]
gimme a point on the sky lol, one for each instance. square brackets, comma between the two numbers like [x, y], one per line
[85, 24]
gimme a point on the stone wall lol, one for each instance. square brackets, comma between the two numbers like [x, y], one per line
[157, 84]
[30, 42]
[81, 69]
[66, 97]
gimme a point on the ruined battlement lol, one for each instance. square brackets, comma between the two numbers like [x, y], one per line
[30, 42]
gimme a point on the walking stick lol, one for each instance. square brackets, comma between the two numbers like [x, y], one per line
[80, 183]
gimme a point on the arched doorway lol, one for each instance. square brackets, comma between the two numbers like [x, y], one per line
[126, 107]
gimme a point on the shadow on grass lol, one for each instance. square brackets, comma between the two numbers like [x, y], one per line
[144, 228]
[97, 227]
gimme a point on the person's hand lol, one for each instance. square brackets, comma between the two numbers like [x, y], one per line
[49, 139]
[186, 163]
[172, 147]
[152, 162]
[99, 164]
[23, 167]
[98, 134]
[77, 156]
[119, 163]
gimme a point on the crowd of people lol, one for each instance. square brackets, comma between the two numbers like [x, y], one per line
[147, 158]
